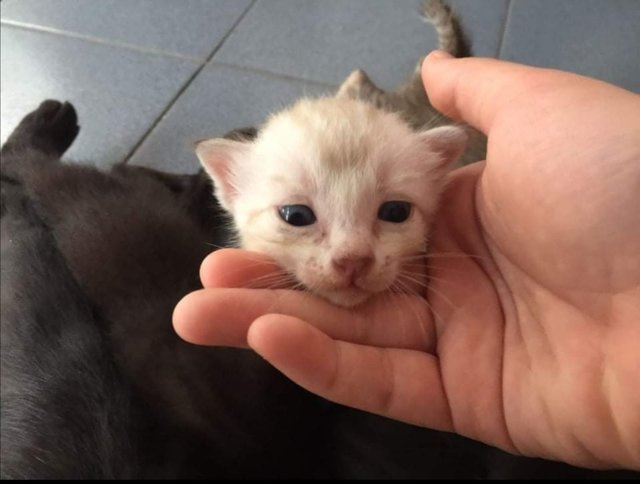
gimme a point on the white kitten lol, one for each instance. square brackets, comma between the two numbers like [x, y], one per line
[339, 192]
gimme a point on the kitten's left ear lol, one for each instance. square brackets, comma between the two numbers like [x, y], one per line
[446, 143]
[221, 158]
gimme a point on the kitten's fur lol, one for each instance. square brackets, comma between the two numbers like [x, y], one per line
[342, 156]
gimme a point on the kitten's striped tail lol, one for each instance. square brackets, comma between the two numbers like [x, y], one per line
[450, 36]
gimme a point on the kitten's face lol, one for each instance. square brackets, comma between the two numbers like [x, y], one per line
[339, 193]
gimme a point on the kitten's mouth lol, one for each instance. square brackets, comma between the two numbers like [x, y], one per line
[351, 294]
[348, 292]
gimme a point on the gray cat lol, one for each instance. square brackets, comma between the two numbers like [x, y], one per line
[409, 98]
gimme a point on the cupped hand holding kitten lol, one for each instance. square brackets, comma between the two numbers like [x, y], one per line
[529, 341]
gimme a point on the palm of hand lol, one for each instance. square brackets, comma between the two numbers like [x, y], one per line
[538, 342]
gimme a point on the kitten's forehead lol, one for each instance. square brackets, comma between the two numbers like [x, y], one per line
[330, 137]
[334, 133]
[342, 155]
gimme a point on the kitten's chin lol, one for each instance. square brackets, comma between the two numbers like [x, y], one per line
[348, 298]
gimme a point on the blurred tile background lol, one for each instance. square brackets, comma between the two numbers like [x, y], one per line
[148, 77]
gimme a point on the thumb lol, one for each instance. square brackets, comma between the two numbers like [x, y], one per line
[474, 90]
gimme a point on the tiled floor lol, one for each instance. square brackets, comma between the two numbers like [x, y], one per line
[150, 76]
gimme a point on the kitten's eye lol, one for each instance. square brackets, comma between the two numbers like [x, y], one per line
[394, 211]
[297, 215]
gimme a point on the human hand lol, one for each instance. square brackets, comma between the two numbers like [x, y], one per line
[531, 335]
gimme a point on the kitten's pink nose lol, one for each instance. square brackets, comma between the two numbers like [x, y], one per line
[351, 267]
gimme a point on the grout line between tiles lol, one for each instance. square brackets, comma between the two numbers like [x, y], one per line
[277, 75]
[186, 85]
[97, 40]
[229, 32]
[504, 29]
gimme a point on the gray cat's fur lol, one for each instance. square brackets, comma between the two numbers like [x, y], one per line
[409, 99]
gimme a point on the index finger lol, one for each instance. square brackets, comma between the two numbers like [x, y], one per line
[222, 317]
[242, 268]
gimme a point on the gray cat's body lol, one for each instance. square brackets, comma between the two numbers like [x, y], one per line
[409, 98]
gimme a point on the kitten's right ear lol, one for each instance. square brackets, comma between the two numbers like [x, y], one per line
[220, 158]
[447, 143]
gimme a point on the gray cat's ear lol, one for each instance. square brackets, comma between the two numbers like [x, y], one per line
[220, 158]
[447, 143]
[359, 86]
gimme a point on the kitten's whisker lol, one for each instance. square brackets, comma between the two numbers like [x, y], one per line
[211, 244]
[424, 265]
[248, 257]
[439, 255]
[427, 286]
[406, 288]
[257, 263]
[454, 255]
[420, 263]
[428, 278]
[394, 303]
[419, 319]
[278, 285]
[438, 293]
[419, 277]
[272, 275]
[431, 309]
[409, 279]
[428, 267]
[270, 281]
[438, 279]
[445, 268]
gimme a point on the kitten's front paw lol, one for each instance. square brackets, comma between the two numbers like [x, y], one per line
[50, 128]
